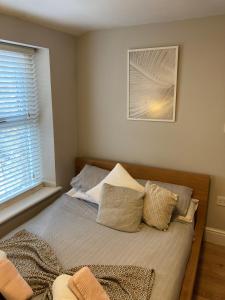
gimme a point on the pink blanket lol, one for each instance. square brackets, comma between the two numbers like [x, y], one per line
[85, 286]
[12, 285]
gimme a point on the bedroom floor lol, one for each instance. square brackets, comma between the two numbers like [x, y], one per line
[210, 283]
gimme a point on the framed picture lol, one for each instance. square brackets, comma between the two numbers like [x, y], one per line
[152, 84]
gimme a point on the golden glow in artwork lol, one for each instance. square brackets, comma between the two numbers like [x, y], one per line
[152, 76]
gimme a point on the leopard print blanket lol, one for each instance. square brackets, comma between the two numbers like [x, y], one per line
[39, 266]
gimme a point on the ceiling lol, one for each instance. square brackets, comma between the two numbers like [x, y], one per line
[79, 16]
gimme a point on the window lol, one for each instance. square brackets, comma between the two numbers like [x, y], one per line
[20, 153]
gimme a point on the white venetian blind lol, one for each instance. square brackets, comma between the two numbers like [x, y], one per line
[20, 165]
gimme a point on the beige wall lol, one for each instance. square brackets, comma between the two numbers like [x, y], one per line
[63, 77]
[196, 142]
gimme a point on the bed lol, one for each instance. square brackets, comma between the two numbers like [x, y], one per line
[69, 226]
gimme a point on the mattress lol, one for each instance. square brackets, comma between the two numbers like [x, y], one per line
[69, 226]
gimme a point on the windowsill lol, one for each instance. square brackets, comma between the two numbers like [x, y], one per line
[16, 208]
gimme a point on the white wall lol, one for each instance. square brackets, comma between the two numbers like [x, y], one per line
[43, 72]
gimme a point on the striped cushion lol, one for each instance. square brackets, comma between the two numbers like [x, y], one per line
[158, 206]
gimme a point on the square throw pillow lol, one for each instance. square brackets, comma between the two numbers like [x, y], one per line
[184, 194]
[189, 217]
[88, 177]
[118, 177]
[159, 204]
[120, 208]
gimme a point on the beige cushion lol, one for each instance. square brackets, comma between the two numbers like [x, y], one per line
[159, 204]
[117, 177]
[184, 194]
[120, 208]
[60, 289]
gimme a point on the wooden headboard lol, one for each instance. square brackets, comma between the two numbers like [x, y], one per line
[200, 184]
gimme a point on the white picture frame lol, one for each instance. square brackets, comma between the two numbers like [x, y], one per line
[152, 84]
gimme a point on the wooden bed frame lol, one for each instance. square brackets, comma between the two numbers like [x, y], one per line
[200, 184]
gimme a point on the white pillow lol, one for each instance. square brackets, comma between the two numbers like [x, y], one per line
[118, 177]
[60, 289]
[78, 194]
[71, 192]
[2, 255]
[189, 218]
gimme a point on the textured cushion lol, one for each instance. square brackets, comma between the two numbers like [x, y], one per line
[118, 177]
[120, 208]
[88, 178]
[189, 217]
[158, 206]
[184, 194]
